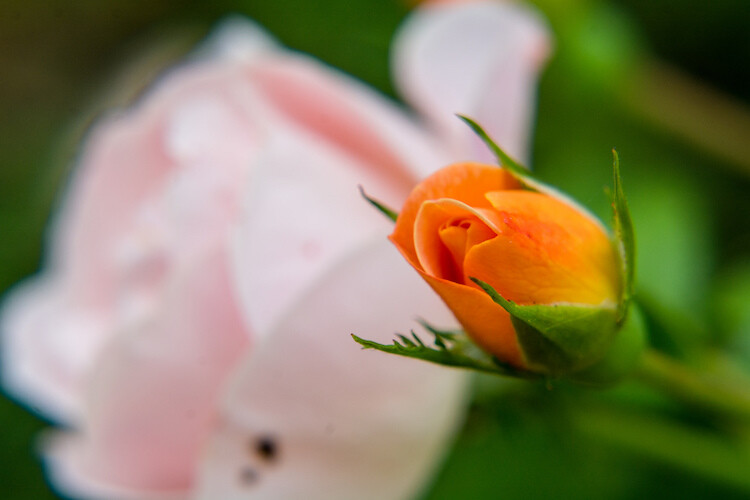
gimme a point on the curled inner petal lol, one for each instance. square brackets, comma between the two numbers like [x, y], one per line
[458, 235]
[464, 183]
[444, 231]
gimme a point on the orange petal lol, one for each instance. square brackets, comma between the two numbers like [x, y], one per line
[465, 182]
[433, 218]
[546, 252]
[458, 237]
[485, 322]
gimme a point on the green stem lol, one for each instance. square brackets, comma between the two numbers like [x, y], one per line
[699, 390]
[667, 441]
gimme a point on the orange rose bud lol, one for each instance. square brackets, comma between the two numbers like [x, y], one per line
[516, 266]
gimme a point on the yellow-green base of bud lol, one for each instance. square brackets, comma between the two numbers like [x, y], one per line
[623, 357]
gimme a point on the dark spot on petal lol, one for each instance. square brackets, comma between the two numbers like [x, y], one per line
[267, 448]
[248, 476]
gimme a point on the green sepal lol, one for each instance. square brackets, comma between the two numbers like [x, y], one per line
[559, 338]
[624, 238]
[450, 348]
[385, 210]
[624, 355]
[519, 171]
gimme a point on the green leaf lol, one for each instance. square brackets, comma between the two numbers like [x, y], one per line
[624, 237]
[559, 338]
[453, 349]
[388, 212]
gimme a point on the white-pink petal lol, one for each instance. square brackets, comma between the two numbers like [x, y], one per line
[324, 135]
[345, 423]
[146, 191]
[479, 59]
[153, 393]
[46, 341]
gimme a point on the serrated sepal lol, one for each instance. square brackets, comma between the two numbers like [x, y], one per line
[449, 348]
[559, 339]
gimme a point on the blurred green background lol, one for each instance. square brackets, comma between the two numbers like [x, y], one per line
[667, 82]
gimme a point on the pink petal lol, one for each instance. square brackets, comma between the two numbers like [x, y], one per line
[344, 422]
[238, 39]
[151, 399]
[349, 116]
[122, 162]
[62, 450]
[194, 116]
[153, 182]
[323, 137]
[45, 343]
[479, 59]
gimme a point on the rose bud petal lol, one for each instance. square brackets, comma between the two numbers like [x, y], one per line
[471, 221]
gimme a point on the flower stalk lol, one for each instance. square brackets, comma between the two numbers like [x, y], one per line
[699, 390]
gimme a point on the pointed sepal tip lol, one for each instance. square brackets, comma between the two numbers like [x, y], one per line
[385, 210]
[624, 238]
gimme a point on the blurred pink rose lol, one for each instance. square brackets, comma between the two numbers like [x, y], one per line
[212, 255]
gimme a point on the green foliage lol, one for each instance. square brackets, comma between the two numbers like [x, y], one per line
[676, 246]
[730, 309]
